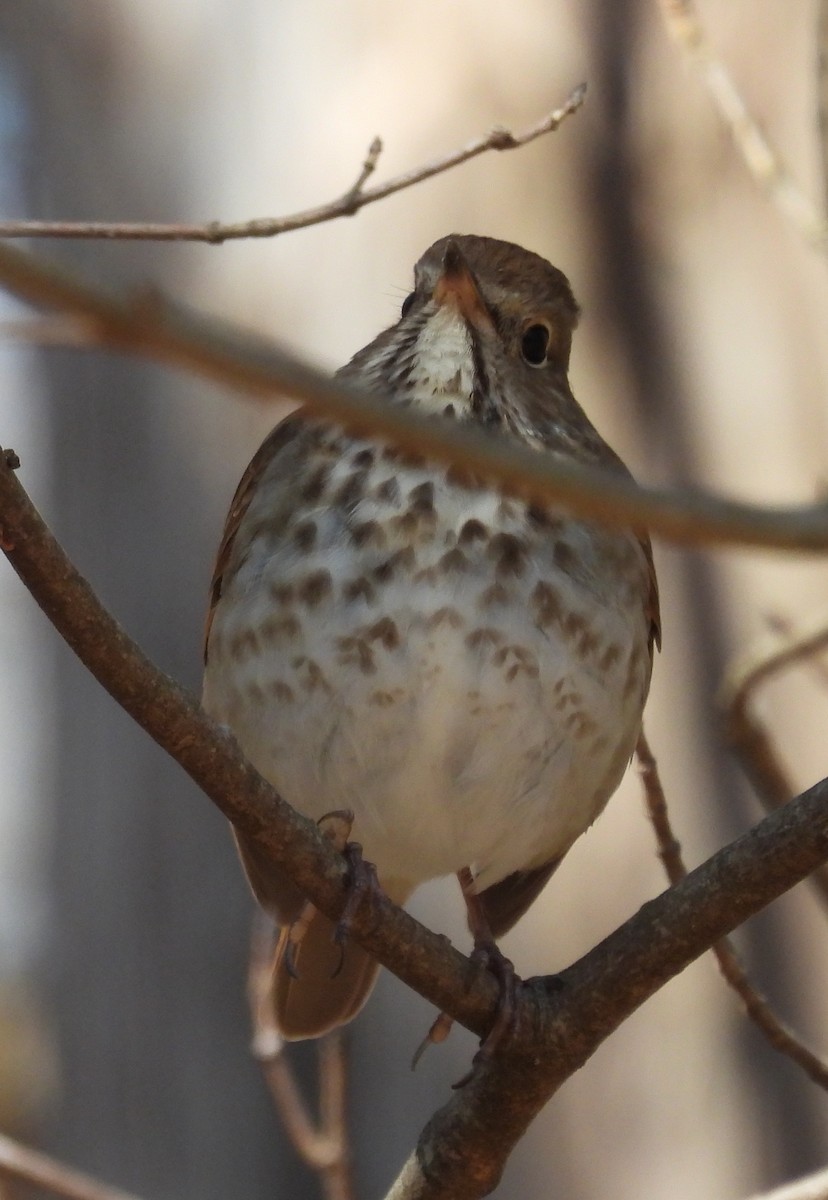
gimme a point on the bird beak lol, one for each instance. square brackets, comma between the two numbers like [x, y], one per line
[458, 287]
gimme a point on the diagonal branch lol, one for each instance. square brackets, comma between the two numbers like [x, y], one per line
[345, 206]
[746, 733]
[760, 157]
[173, 335]
[778, 1035]
[20, 1163]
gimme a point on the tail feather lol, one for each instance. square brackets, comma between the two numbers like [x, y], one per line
[330, 984]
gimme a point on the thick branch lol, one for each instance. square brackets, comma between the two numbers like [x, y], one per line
[463, 1149]
[257, 367]
[344, 206]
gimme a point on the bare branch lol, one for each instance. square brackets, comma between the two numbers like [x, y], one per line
[19, 1162]
[760, 157]
[746, 734]
[756, 1005]
[348, 204]
[257, 367]
[323, 1147]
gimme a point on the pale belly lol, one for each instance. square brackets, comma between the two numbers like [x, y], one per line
[471, 704]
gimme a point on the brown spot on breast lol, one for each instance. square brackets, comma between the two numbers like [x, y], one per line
[311, 675]
[444, 616]
[564, 557]
[580, 725]
[382, 699]
[427, 575]
[243, 644]
[400, 560]
[368, 533]
[281, 691]
[542, 518]
[509, 553]
[315, 588]
[280, 628]
[473, 531]
[388, 490]
[610, 657]
[304, 535]
[453, 562]
[384, 631]
[313, 489]
[351, 490]
[484, 637]
[363, 459]
[282, 593]
[546, 602]
[497, 593]
[355, 652]
[421, 497]
[520, 660]
[406, 523]
[315, 678]
[361, 588]
[448, 411]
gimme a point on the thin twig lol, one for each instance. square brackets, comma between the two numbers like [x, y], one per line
[747, 734]
[38, 1170]
[346, 205]
[172, 334]
[322, 1146]
[760, 157]
[778, 1035]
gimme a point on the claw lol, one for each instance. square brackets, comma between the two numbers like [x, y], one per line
[362, 876]
[486, 955]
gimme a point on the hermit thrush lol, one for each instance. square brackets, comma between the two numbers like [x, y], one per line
[463, 671]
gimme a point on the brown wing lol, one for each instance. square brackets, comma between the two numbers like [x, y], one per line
[279, 437]
[504, 903]
[652, 608]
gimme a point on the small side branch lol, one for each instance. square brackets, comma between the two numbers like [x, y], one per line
[746, 734]
[760, 157]
[756, 1006]
[323, 1146]
[351, 202]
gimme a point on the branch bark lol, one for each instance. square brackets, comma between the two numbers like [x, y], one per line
[346, 205]
[170, 334]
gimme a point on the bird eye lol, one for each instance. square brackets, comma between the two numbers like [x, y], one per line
[407, 302]
[534, 345]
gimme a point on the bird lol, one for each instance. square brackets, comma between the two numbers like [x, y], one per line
[461, 671]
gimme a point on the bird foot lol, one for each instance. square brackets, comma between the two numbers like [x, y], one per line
[336, 827]
[487, 955]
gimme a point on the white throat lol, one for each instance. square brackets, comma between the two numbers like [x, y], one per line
[442, 370]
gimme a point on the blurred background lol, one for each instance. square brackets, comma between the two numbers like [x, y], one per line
[702, 356]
